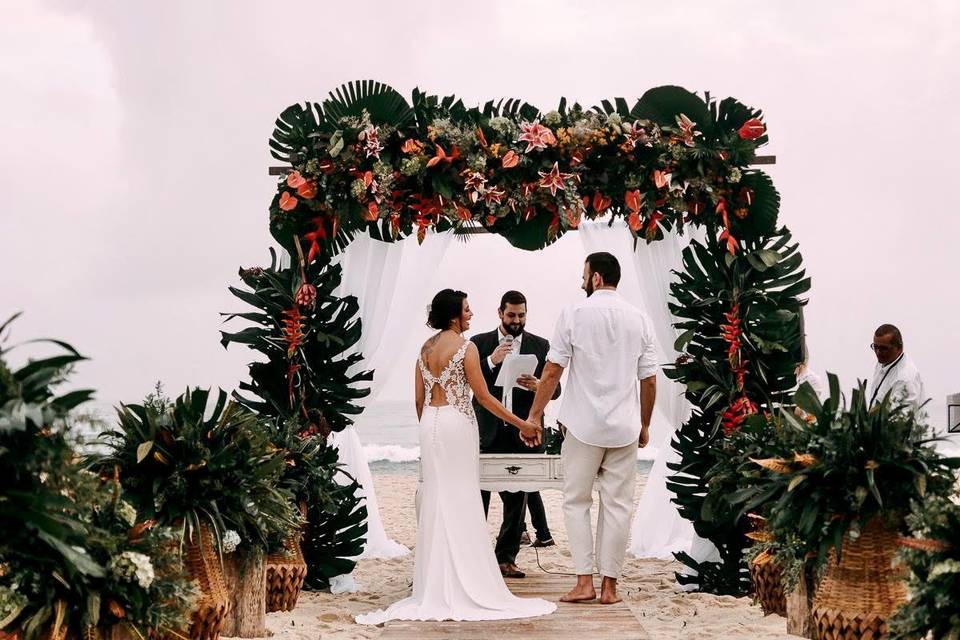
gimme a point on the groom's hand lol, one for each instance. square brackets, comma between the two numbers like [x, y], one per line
[531, 434]
[644, 436]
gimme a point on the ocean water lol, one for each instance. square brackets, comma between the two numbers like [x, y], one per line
[388, 431]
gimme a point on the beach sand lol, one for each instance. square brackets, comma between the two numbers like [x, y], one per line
[648, 586]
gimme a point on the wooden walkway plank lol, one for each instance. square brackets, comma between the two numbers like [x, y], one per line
[594, 621]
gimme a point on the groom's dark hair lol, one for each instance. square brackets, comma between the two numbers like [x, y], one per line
[606, 265]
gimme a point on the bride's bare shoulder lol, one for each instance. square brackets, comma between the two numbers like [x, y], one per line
[430, 346]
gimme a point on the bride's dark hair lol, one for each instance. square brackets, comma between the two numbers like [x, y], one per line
[446, 307]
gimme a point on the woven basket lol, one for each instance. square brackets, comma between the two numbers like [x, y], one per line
[767, 577]
[204, 567]
[285, 575]
[858, 595]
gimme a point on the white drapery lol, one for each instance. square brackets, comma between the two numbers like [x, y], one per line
[658, 530]
[382, 276]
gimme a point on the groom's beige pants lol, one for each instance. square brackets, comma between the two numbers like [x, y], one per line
[615, 470]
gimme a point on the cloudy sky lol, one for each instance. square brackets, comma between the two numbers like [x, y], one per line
[133, 165]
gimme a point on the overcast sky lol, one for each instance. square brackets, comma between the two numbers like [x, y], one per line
[133, 165]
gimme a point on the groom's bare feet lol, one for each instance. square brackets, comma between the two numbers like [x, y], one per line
[608, 591]
[583, 592]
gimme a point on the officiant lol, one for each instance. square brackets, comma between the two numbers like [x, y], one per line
[496, 436]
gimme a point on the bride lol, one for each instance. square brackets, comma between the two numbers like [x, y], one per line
[456, 576]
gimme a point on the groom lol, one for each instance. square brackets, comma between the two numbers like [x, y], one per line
[497, 437]
[608, 345]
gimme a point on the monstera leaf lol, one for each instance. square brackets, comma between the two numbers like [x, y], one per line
[384, 104]
[532, 235]
[296, 124]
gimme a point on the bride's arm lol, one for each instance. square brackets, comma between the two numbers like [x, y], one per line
[471, 365]
[418, 396]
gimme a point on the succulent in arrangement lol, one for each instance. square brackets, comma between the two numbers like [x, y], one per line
[74, 554]
[186, 463]
[931, 554]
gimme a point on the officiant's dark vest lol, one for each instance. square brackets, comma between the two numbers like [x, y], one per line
[495, 435]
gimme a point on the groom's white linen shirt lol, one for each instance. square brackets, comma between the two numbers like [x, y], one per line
[902, 378]
[607, 344]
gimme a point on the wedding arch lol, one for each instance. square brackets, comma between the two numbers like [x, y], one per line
[367, 161]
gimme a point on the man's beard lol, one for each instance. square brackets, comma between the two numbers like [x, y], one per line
[590, 288]
[512, 329]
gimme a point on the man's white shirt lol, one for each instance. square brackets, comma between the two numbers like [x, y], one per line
[607, 344]
[900, 376]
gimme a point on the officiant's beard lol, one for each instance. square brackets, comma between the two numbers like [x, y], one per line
[514, 329]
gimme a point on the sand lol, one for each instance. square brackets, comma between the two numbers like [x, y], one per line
[647, 586]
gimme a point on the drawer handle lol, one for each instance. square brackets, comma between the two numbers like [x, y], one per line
[513, 470]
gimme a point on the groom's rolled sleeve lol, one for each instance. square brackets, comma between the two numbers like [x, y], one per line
[560, 346]
[647, 363]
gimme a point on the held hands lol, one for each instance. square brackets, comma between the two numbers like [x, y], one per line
[501, 352]
[644, 436]
[531, 434]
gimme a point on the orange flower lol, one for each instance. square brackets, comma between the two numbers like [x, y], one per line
[294, 179]
[510, 160]
[752, 129]
[634, 200]
[443, 157]
[600, 202]
[661, 178]
[368, 179]
[572, 215]
[307, 190]
[464, 214]
[372, 212]
[412, 146]
[287, 202]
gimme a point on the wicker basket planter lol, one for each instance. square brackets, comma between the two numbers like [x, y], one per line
[767, 578]
[285, 575]
[203, 563]
[858, 595]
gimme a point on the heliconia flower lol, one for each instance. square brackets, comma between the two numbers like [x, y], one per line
[294, 179]
[287, 202]
[732, 244]
[442, 156]
[634, 200]
[371, 138]
[307, 190]
[752, 129]
[412, 146]
[536, 136]
[292, 330]
[661, 178]
[553, 179]
[510, 160]
[306, 295]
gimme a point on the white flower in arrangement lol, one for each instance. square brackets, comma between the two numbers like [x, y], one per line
[551, 118]
[504, 126]
[127, 513]
[132, 566]
[231, 540]
[614, 120]
[734, 175]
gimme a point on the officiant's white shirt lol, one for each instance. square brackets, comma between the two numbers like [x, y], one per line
[900, 376]
[607, 344]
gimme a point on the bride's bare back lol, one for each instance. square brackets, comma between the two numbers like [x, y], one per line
[436, 353]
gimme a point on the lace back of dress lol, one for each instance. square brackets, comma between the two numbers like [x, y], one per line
[452, 379]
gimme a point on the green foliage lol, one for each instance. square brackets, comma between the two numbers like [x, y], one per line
[67, 536]
[185, 465]
[932, 610]
[315, 381]
[851, 464]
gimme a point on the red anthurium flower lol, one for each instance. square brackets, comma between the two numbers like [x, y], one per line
[327, 166]
[294, 179]
[661, 178]
[372, 213]
[307, 190]
[634, 200]
[464, 214]
[510, 160]
[752, 129]
[746, 195]
[652, 223]
[600, 202]
[287, 202]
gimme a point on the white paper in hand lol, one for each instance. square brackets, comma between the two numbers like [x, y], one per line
[514, 366]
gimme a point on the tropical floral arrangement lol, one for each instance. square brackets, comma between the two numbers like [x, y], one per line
[74, 554]
[185, 464]
[850, 465]
[932, 556]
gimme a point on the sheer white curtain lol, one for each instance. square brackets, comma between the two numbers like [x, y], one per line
[383, 276]
[658, 530]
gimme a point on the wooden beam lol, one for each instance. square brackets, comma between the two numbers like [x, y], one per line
[282, 171]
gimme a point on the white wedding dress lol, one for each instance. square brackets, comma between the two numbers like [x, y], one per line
[456, 576]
